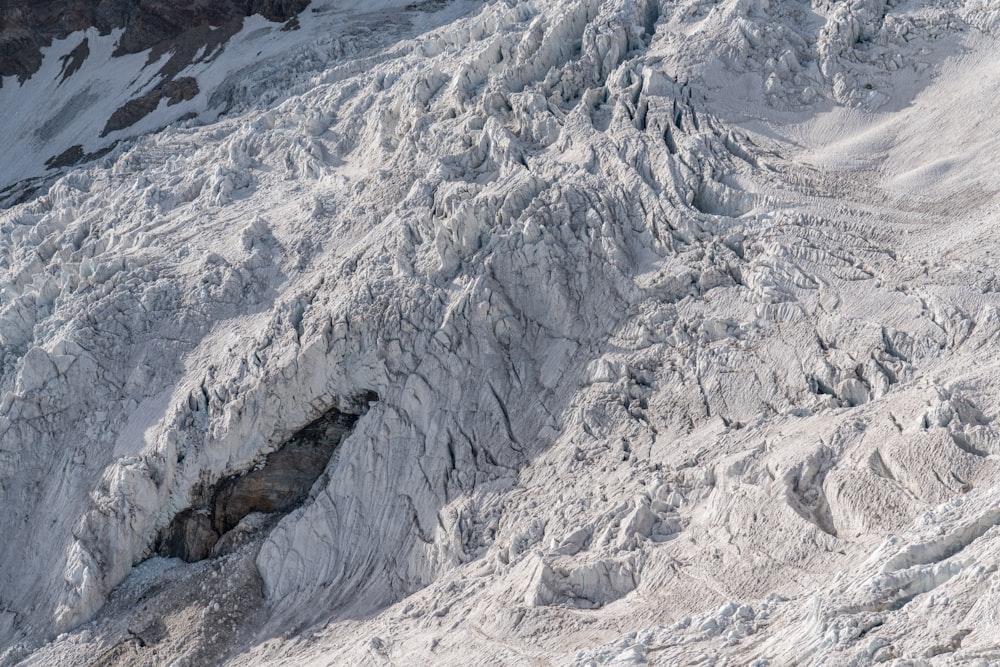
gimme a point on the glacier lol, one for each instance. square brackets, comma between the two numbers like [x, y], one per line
[666, 327]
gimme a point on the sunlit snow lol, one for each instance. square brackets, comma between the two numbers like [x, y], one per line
[670, 326]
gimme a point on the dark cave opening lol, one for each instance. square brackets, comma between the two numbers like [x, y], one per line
[270, 490]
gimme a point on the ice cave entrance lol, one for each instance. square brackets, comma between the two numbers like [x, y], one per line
[273, 488]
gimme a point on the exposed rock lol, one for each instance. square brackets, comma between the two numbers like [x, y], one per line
[248, 529]
[283, 481]
[174, 91]
[72, 155]
[239, 503]
[73, 61]
[26, 28]
[75, 155]
[189, 536]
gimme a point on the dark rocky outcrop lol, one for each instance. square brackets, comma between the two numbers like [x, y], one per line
[73, 61]
[72, 156]
[174, 91]
[69, 157]
[27, 27]
[189, 536]
[182, 31]
[279, 484]
[283, 482]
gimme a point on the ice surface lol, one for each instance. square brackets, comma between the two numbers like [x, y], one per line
[680, 315]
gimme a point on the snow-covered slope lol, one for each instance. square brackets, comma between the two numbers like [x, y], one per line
[654, 333]
[88, 97]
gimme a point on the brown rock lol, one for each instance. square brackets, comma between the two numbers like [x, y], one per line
[130, 113]
[189, 536]
[26, 28]
[277, 486]
[283, 482]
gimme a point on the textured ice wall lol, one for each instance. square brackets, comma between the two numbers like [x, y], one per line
[639, 353]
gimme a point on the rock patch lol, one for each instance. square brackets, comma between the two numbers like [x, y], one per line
[275, 487]
[174, 91]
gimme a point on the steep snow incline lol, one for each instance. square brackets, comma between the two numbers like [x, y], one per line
[87, 97]
[670, 326]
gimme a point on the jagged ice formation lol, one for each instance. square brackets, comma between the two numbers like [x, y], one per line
[670, 326]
